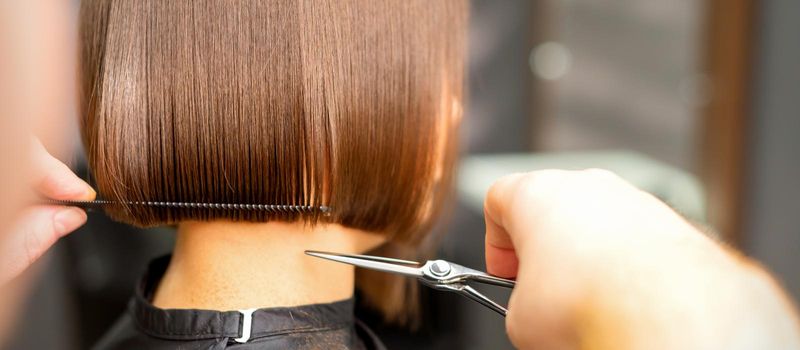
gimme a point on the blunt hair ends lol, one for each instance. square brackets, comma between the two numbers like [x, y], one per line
[344, 103]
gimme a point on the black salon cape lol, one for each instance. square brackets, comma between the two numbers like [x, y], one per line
[318, 326]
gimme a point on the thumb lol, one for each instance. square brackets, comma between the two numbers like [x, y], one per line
[501, 245]
[54, 179]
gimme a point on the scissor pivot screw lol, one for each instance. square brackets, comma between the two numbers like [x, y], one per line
[440, 268]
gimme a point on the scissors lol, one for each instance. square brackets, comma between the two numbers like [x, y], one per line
[437, 274]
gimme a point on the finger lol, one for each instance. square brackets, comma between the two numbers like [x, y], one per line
[54, 179]
[502, 262]
[36, 230]
[501, 255]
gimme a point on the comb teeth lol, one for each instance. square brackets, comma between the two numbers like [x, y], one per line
[273, 208]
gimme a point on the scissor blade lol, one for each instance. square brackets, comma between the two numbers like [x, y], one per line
[372, 262]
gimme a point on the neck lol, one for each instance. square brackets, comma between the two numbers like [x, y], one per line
[234, 266]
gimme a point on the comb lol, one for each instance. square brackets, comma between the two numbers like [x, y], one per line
[273, 208]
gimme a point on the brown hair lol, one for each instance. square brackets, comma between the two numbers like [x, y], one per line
[349, 104]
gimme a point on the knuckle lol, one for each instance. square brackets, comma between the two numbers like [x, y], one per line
[541, 183]
[504, 186]
[507, 180]
[601, 179]
[530, 186]
[600, 174]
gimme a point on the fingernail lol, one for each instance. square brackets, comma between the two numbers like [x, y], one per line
[90, 194]
[75, 189]
[86, 192]
[68, 219]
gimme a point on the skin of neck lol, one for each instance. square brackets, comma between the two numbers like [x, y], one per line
[225, 265]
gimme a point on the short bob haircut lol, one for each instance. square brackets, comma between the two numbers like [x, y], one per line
[351, 104]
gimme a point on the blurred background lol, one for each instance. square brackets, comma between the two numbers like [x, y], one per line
[696, 101]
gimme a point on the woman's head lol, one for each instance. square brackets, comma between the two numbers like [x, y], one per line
[348, 104]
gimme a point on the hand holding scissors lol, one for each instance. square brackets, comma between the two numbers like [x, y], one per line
[437, 274]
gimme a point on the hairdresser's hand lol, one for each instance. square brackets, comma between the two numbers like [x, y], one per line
[602, 265]
[38, 227]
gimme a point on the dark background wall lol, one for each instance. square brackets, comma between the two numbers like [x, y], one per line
[772, 203]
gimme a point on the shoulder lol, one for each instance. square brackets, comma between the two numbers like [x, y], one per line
[125, 335]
